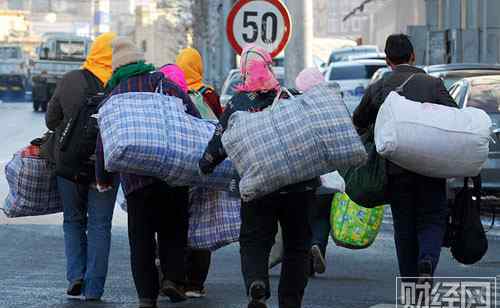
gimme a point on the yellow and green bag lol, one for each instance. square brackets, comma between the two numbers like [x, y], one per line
[354, 226]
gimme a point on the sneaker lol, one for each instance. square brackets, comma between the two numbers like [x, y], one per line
[257, 295]
[196, 292]
[147, 303]
[173, 291]
[319, 263]
[75, 288]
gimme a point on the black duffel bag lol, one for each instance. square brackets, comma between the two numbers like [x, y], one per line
[76, 141]
[465, 233]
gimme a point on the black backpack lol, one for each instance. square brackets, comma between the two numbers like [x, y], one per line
[76, 142]
[465, 233]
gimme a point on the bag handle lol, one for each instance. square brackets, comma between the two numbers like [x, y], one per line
[159, 87]
[477, 186]
[278, 96]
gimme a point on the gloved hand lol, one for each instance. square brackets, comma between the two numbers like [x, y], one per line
[103, 188]
[204, 170]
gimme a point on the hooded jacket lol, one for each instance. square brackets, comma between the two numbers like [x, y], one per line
[253, 101]
[253, 95]
[191, 63]
[98, 61]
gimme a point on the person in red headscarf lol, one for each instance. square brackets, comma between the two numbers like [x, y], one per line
[288, 206]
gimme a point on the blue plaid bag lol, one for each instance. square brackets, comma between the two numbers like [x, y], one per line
[214, 220]
[32, 188]
[150, 134]
[293, 141]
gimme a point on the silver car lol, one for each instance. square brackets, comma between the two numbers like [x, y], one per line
[483, 92]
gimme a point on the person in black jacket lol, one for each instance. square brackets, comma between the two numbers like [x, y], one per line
[259, 218]
[418, 203]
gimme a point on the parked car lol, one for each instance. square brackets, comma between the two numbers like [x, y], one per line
[367, 56]
[379, 74]
[13, 72]
[234, 78]
[451, 73]
[353, 78]
[482, 92]
[343, 54]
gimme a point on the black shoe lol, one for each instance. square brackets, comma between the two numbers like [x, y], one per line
[424, 281]
[147, 303]
[319, 263]
[425, 271]
[310, 269]
[257, 295]
[173, 291]
[75, 288]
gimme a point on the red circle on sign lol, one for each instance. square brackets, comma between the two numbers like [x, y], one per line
[286, 17]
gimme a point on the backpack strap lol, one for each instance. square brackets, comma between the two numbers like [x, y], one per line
[93, 85]
[401, 87]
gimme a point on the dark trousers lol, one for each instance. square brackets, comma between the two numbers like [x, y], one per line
[198, 265]
[320, 221]
[420, 212]
[162, 210]
[259, 224]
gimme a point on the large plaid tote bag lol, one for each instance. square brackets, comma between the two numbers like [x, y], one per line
[214, 220]
[150, 134]
[32, 186]
[293, 141]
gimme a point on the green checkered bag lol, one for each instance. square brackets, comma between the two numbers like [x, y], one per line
[354, 226]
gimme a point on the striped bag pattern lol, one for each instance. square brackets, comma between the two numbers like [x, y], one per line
[293, 141]
[32, 187]
[150, 134]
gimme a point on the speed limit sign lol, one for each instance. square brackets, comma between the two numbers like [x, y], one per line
[265, 23]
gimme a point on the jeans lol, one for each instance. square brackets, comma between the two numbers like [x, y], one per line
[259, 224]
[162, 210]
[198, 265]
[420, 212]
[87, 234]
[320, 221]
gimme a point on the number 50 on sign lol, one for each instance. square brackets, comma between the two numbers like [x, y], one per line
[265, 23]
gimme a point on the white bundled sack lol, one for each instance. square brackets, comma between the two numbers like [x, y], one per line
[432, 140]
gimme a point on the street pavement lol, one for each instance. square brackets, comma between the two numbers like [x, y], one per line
[32, 262]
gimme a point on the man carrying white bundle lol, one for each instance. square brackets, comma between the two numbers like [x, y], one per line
[418, 203]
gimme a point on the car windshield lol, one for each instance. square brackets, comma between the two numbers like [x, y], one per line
[10, 53]
[338, 56]
[67, 49]
[485, 95]
[353, 72]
